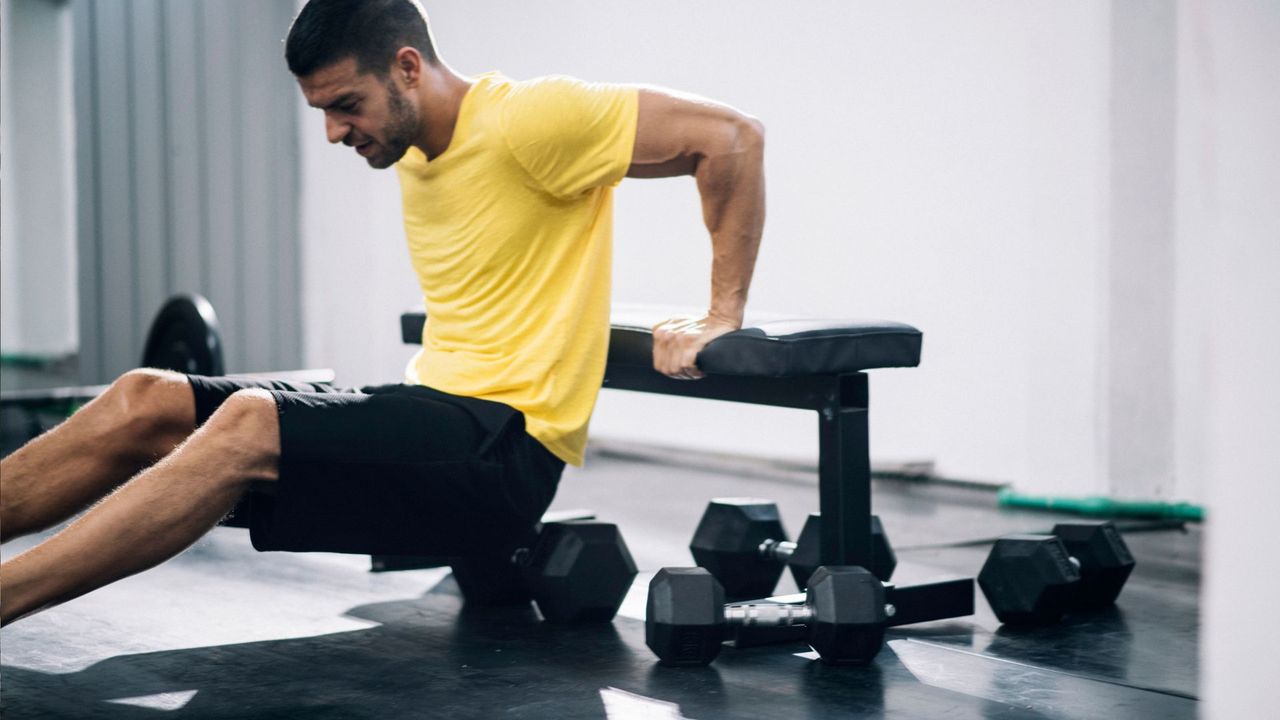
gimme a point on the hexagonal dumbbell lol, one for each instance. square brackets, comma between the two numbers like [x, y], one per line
[575, 572]
[1039, 578]
[742, 543]
[1104, 559]
[803, 556]
[844, 613]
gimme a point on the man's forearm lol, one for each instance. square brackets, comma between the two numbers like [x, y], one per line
[732, 188]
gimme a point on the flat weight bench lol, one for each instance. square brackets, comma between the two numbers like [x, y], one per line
[811, 364]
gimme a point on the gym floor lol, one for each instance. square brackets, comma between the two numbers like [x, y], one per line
[226, 632]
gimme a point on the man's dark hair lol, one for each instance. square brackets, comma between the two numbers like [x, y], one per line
[371, 31]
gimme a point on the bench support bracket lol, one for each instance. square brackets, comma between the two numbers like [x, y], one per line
[844, 458]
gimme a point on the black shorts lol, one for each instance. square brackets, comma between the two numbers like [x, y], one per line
[392, 469]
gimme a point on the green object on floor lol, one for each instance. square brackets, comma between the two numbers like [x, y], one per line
[28, 360]
[1104, 506]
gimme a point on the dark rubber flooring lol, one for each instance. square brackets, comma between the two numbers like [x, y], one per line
[225, 632]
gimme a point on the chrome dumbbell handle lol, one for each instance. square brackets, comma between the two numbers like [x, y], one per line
[777, 614]
[768, 615]
[780, 550]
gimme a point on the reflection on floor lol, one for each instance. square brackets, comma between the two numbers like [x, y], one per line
[225, 632]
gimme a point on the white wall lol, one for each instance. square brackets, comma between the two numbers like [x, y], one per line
[1137, 420]
[1229, 195]
[939, 164]
[996, 173]
[356, 278]
[37, 193]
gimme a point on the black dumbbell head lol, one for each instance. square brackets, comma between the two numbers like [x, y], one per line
[1029, 579]
[883, 560]
[684, 617]
[849, 614]
[579, 572]
[807, 556]
[490, 580]
[727, 543]
[1105, 561]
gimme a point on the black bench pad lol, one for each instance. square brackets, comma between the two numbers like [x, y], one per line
[766, 346]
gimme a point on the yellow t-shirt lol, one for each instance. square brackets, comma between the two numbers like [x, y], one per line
[510, 233]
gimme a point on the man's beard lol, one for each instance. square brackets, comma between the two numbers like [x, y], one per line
[400, 131]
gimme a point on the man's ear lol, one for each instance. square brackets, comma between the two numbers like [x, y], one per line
[407, 67]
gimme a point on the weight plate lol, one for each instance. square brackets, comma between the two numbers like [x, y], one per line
[185, 337]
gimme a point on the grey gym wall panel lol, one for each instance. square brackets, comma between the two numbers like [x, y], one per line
[284, 189]
[222, 191]
[187, 176]
[88, 260]
[146, 90]
[184, 161]
[255, 178]
[117, 306]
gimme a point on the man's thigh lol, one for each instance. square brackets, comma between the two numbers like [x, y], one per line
[382, 473]
[211, 392]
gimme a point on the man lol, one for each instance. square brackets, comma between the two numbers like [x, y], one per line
[507, 190]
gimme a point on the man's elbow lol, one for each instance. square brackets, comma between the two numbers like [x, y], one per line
[748, 134]
[733, 140]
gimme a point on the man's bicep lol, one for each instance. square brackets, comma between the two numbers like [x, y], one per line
[674, 131]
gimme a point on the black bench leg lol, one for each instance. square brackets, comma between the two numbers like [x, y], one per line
[844, 474]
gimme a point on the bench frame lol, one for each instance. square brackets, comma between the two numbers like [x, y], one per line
[844, 454]
[844, 464]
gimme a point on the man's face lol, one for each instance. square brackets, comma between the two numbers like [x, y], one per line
[363, 111]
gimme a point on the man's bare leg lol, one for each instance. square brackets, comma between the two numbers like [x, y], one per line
[138, 420]
[154, 516]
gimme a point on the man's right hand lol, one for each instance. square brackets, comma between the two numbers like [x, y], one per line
[677, 342]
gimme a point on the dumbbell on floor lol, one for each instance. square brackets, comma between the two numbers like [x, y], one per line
[742, 543]
[844, 612]
[574, 571]
[1039, 578]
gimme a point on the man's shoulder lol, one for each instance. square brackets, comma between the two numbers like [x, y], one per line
[552, 87]
[549, 82]
[516, 98]
[496, 81]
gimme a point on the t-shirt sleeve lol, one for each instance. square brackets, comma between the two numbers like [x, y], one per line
[571, 136]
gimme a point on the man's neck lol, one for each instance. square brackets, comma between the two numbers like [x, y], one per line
[439, 109]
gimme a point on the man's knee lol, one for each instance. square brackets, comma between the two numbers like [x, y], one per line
[246, 427]
[156, 405]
